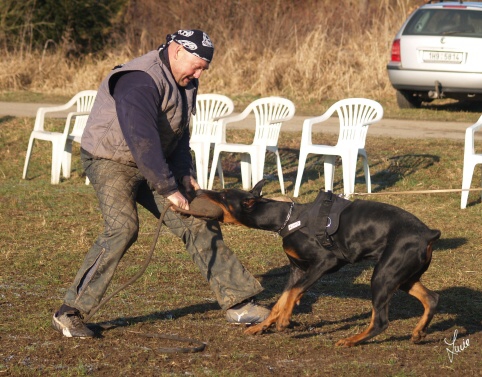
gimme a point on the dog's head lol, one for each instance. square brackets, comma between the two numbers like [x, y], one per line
[238, 206]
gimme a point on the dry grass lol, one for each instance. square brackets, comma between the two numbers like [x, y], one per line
[308, 51]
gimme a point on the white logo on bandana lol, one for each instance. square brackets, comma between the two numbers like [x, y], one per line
[206, 41]
[185, 33]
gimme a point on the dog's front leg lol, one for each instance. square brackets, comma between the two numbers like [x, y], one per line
[281, 312]
[272, 318]
[300, 281]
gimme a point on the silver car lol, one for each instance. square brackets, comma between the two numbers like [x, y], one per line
[438, 54]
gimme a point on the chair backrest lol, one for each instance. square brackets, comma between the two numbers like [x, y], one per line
[84, 101]
[355, 115]
[208, 108]
[270, 113]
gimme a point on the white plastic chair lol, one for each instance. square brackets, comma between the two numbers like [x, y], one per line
[62, 141]
[206, 131]
[270, 113]
[355, 115]
[470, 160]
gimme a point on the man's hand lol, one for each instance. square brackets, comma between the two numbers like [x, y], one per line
[190, 186]
[178, 200]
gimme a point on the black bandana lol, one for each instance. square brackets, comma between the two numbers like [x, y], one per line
[196, 42]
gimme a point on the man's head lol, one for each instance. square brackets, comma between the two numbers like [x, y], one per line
[190, 52]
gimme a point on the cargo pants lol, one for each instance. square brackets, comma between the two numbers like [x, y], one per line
[119, 188]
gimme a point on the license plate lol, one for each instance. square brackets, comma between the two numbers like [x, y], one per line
[442, 57]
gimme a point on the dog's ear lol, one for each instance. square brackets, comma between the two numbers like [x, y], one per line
[249, 203]
[256, 190]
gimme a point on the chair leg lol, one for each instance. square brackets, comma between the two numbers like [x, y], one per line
[206, 149]
[247, 171]
[349, 172]
[353, 158]
[57, 153]
[220, 173]
[213, 169]
[329, 171]
[480, 192]
[258, 158]
[299, 175]
[468, 172]
[366, 169]
[67, 159]
[27, 157]
[199, 168]
[280, 172]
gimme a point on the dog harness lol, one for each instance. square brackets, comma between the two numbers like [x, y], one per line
[326, 209]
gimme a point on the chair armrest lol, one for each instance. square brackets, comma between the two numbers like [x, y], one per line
[309, 122]
[69, 120]
[280, 120]
[224, 120]
[469, 136]
[216, 119]
[41, 111]
[476, 126]
[52, 109]
[232, 118]
[75, 113]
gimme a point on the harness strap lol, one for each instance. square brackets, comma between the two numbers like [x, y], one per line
[323, 205]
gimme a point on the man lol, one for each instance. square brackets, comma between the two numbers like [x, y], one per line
[135, 149]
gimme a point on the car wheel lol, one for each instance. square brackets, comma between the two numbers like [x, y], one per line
[406, 100]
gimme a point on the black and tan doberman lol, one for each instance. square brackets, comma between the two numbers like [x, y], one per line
[317, 241]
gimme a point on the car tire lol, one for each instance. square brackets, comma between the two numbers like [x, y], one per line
[406, 100]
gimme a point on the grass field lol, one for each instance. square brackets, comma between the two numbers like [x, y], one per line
[46, 230]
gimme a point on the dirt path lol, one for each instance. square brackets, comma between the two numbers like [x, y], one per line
[386, 127]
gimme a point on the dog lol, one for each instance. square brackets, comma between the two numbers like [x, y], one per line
[317, 241]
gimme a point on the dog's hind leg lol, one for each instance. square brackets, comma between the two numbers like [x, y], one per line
[378, 324]
[428, 298]
[429, 301]
[382, 292]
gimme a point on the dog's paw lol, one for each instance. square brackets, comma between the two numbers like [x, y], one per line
[345, 343]
[417, 337]
[255, 330]
[281, 325]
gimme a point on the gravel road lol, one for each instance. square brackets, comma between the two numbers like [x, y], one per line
[386, 127]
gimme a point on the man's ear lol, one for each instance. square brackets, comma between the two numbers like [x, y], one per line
[256, 190]
[177, 50]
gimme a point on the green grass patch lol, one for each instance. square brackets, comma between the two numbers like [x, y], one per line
[46, 231]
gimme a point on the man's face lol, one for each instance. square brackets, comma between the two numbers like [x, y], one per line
[185, 66]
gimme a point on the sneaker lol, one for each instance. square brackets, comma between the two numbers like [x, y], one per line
[70, 324]
[247, 313]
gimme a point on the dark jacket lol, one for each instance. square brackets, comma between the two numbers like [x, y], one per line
[143, 120]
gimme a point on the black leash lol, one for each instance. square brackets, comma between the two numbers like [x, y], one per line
[200, 345]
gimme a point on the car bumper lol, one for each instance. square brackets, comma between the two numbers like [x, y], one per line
[419, 80]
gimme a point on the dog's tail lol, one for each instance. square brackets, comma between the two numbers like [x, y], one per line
[434, 235]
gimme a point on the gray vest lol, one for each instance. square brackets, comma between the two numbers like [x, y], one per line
[103, 136]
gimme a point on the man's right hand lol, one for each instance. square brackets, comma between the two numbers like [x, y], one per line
[179, 200]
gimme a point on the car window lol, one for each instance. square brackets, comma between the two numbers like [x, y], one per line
[465, 23]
